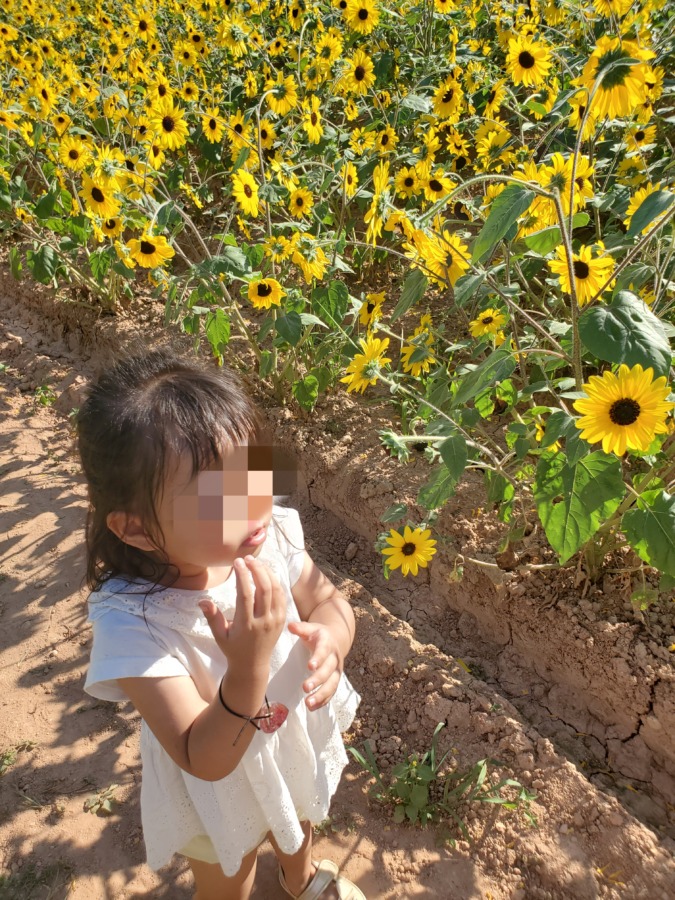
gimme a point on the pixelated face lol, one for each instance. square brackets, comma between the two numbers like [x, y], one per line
[223, 511]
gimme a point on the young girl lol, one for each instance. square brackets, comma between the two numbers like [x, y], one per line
[211, 617]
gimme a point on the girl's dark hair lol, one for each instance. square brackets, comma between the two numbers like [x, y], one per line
[136, 420]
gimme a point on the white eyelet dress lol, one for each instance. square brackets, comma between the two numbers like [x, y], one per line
[283, 778]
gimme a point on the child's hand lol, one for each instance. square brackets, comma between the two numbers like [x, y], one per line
[248, 640]
[325, 664]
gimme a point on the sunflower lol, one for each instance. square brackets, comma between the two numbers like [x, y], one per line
[371, 310]
[268, 134]
[350, 179]
[245, 191]
[624, 411]
[448, 99]
[490, 321]
[328, 50]
[112, 227]
[362, 15]
[641, 137]
[435, 184]
[168, 125]
[74, 153]
[310, 258]
[61, 123]
[311, 121]
[265, 293]
[591, 273]
[99, 198]
[406, 183]
[417, 356]
[212, 126]
[359, 76]
[622, 86]
[528, 61]
[495, 97]
[410, 550]
[284, 94]
[386, 140]
[300, 203]
[364, 367]
[150, 250]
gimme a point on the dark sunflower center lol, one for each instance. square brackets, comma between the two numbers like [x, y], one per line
[97, 195]
[408, 548]
[581, 269]
[263, 134]
[359, 73]
[384, 140]
[147, 249]
[168, 124]
[239, 128]
[409, 182]
[313, 118]
[161, 90]
[639, 136]
[110, 224]
[363, 14]
[73, 154]
[143, 25]
[526, 59]
[460, 162]
[448, 95]
[299, 201]
[624, 411]
[264, 289]
[487, 320]
[129, 164]
[45, 95]
[491, 96]
[213, 124]
[343, 4]
[370, 307]
[435, 185]
[247, 190]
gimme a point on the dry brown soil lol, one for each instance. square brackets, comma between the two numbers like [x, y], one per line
[521, 668]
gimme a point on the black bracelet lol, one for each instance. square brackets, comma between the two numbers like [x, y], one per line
[252, 719]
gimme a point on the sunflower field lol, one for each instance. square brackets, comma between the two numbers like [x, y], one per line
[466, 206]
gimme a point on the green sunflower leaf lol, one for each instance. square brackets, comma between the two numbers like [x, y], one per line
[506, 209]
[306, 391]
[455, 455]
[289, 328]
[330, 302]
[546, 240]
[438, 489]
[466, 287]
[413, 290]
[626, 331]
[651, 532]
[651, 207]
[217, 328]
[574, 501]
[498, 366]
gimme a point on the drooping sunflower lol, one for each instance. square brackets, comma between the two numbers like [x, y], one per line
[245, 192]
[409, 551]
[168, 125]
[636, 202]
[362, 15]
[360, 75]
[265, 293]
[490, 321]
[212, 126]
[350, 179]
[309, 257]
[528, 61]
[150, 250]
[99, 198]
[495, 97]
[300, 203]
[624, 411]
[284, 94]
[364, 367]
[417, 357]
[590, 272]
[622, 85]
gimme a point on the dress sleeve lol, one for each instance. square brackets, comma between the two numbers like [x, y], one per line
[291, 540]
[125, 648]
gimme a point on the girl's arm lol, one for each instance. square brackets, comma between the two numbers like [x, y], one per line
[327, 627]
[201, 737]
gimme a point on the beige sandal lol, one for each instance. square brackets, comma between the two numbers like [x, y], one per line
[326, 873]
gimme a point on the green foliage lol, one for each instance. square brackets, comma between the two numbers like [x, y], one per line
[421, 791]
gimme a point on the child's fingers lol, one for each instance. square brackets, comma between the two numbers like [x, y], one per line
[263, 587]
[244, 590]
[324, 693]
[323, 672]
[215, 619]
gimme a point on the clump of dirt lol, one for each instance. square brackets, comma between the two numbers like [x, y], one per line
[519, 667]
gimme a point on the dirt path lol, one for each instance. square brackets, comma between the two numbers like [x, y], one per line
[586, 844]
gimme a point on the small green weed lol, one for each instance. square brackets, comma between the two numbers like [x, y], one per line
[102, 804]
[52, 883]
[8, 757]
[420, 792]
[44, 395]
